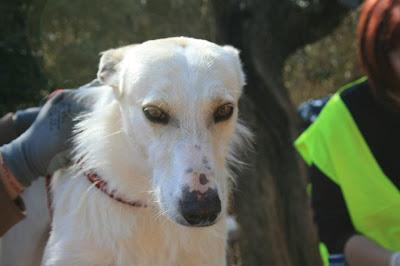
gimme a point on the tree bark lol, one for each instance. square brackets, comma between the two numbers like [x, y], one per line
[271, 203]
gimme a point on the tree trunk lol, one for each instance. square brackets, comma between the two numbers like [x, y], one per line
[271, 203]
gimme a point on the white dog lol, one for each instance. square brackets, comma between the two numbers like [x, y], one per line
[151, 182]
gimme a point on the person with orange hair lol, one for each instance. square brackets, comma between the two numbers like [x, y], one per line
[353, 147]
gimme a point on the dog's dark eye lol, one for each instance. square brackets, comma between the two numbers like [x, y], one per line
[156, 115]
[224, 112]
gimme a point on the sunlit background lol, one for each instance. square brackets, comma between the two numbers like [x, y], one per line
[66, 38]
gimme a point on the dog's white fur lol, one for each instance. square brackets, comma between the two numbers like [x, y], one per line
[142, 160]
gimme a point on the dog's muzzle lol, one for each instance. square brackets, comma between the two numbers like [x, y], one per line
[200, 208]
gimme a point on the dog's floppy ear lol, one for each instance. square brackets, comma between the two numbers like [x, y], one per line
[236, 61]
[109, 68]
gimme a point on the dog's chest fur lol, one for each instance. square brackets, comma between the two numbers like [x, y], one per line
[97, 230]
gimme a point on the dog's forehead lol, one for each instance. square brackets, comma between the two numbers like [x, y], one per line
[188, 66]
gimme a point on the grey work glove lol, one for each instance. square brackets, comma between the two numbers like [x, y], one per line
[23, 119]
[31, 154]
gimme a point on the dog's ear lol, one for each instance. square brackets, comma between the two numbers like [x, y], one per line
[234, 53]
[109, 68]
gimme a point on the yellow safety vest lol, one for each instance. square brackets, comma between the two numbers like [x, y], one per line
[335, 145]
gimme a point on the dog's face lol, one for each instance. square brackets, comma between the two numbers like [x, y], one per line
[179, 106]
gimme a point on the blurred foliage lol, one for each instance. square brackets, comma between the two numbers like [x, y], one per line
[65, 38]
[69, 36]
[75, 32]
[19, 68]
[322, 67]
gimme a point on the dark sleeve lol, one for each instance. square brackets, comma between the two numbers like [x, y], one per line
[330, 212]
[7, 129]
[11, 211]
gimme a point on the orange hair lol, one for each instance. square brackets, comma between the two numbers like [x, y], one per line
[379, 35]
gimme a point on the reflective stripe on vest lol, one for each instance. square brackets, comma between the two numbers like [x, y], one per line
[335, 145]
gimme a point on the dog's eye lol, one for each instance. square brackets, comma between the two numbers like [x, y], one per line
[224, 112]
[156, 115]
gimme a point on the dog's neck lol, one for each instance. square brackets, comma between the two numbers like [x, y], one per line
[102, 185]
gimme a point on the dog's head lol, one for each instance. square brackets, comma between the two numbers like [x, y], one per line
[178, 99]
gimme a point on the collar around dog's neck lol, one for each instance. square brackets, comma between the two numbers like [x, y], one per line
[102, 185]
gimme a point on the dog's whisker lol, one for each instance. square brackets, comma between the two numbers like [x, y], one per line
[159, 215]
[112, 134]
[161, 212]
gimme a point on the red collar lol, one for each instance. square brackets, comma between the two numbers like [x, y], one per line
[102, 185]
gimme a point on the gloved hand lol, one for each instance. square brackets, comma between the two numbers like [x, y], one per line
[23, 119]
[31, 154]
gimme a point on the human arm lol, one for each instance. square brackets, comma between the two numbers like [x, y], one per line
[14, 124]
[31, 154]
[360, 251]
[11, 126]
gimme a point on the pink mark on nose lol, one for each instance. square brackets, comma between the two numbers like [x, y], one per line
[199, 182]
[203, 179]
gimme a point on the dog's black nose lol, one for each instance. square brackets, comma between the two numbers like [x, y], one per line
[200, 209]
